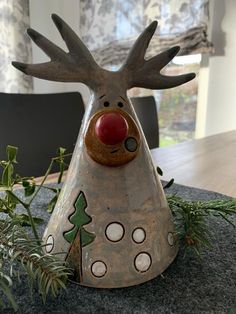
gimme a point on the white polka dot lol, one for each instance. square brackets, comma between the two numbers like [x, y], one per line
[142, 262]
[139, 235]
[99, 269]
[115, 232]
[170, 238]
[49, 244]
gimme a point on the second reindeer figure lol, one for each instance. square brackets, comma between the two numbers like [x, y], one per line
[112, 221]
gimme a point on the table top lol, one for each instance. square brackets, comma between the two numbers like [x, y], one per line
[208, 163]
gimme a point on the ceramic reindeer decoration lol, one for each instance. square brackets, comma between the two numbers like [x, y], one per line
[112, 220]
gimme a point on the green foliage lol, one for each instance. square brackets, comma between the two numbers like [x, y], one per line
[11, 153]
[191, 223]
[21, 254]
[79, 218]
[8, 182]
[5, 287]
[15, 245]
[53, 201]
[190, 218]
[60, 161]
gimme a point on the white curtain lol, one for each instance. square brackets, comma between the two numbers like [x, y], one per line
[109, 27]
[14, 45]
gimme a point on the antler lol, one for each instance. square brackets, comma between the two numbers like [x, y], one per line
[77, 65]
[146, 73]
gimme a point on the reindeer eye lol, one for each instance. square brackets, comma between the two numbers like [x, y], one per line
[120, 104]
[106, 104]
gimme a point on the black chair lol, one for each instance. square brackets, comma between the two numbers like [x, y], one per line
[145, 108]
[38, 124]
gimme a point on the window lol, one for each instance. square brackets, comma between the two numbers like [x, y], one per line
[177, 106]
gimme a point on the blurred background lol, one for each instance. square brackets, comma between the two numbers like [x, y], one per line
[204, 29]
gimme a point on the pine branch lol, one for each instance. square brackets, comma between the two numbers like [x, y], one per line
[15, 245]
[5, 287]
[44, 269]
[190, 219]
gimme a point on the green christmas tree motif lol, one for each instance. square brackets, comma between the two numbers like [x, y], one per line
[79, 218]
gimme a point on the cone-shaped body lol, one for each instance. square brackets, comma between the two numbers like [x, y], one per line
[130, 220]
[111, 222]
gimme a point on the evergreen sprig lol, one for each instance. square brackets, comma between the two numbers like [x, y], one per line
[16, 247]
[10, 181]
[5, 287]
[190, 218]
[21, 254]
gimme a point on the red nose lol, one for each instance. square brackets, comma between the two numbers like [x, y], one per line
[111, 128]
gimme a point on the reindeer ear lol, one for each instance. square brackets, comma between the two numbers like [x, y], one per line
[146, 73]
[77, 65]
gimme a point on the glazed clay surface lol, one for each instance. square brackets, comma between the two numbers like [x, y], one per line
[130, 195]
[111, 222]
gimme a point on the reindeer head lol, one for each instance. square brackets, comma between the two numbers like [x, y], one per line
[109, 87]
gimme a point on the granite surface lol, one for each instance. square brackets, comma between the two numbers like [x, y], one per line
[189, 285]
